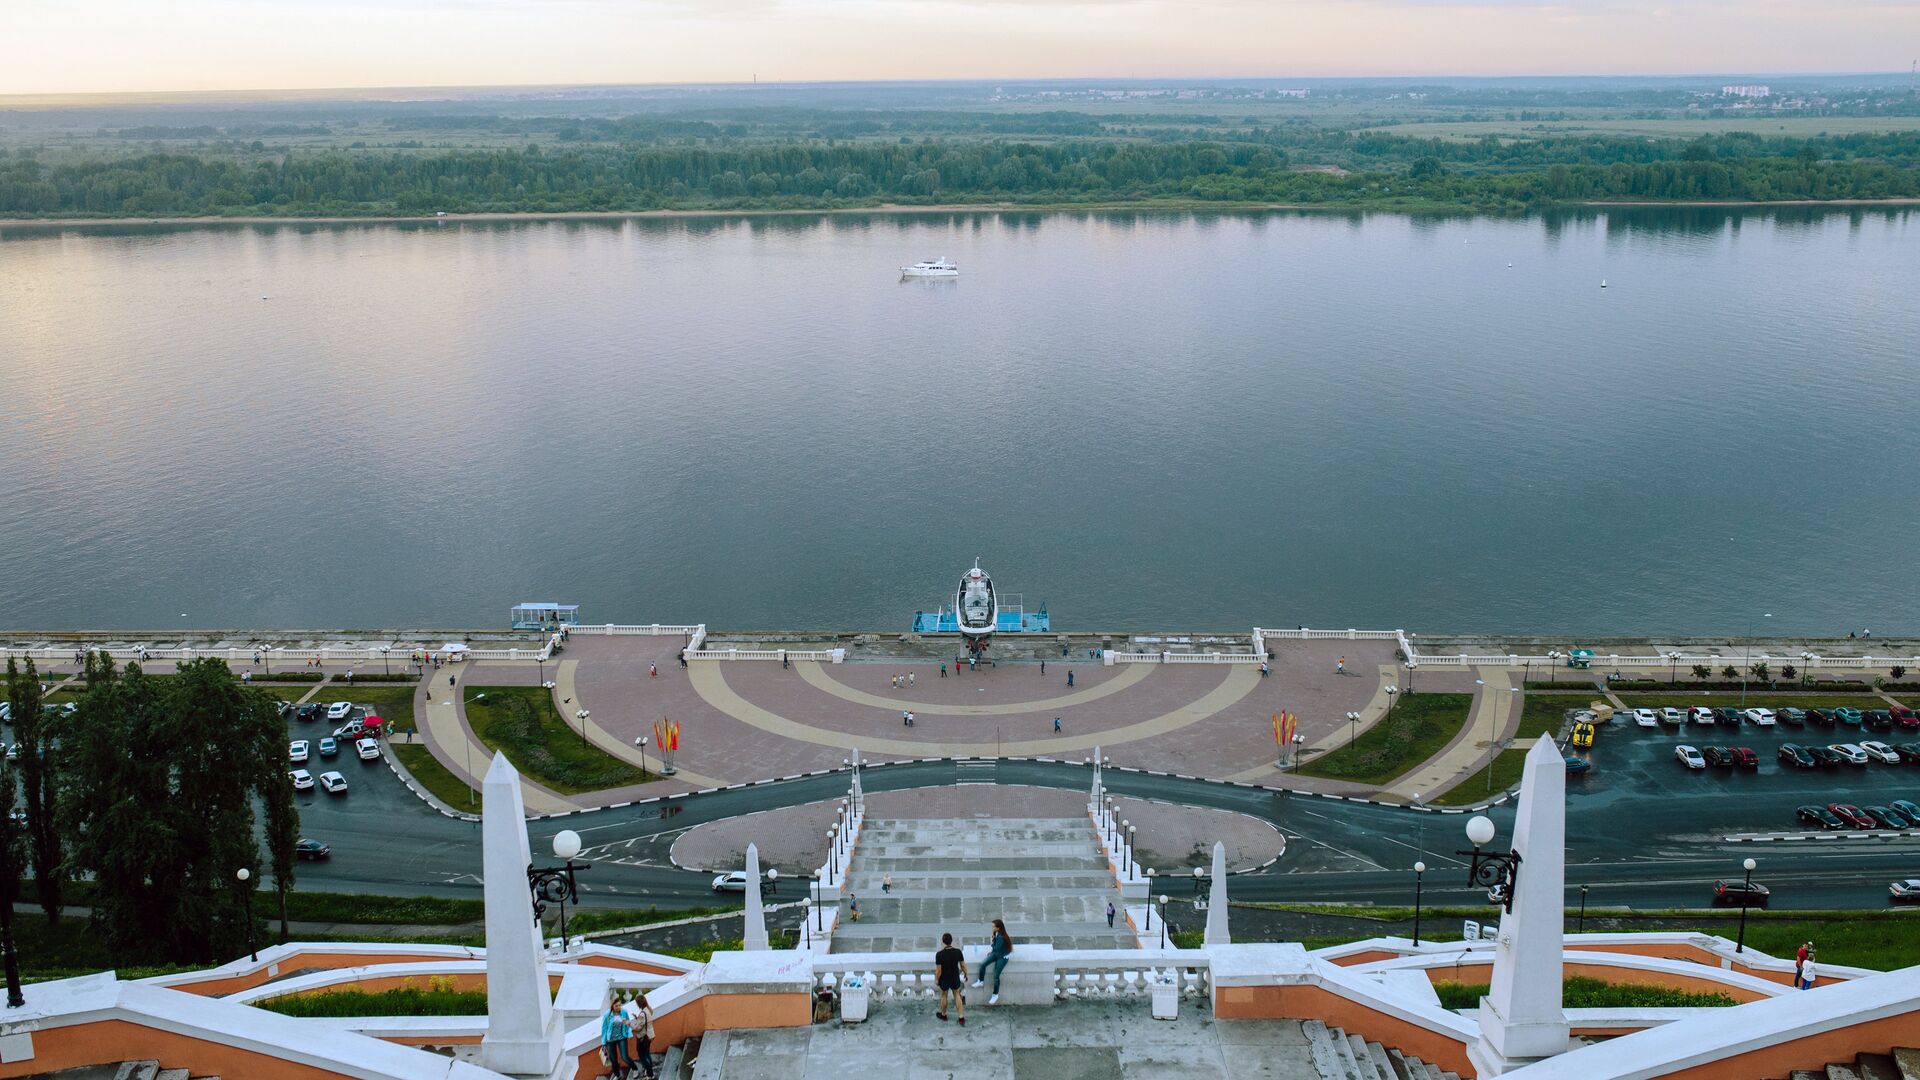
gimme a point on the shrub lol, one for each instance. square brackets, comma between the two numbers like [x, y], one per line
[1580, 992]
[439, 998]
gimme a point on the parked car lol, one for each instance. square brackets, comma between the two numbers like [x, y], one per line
[1577, 765]
[302, 780]
[6, 711]
[311, 850]
[1908, 751]
[1582, 737]
[1849, 753]
[1881, 752]
[736, 881]
[1719, 756]
[1740, 894]
[329, 746]
[1906, 718]
[1701, 715]
[1745, 758]
[1907, 809]
[368, 749]
[339, 710]
[1851, 814]
[1726, 716]
[1819, 815]
[1689, 757]
[309, 711]
[334, 783]
[1820, 717]
[1793, 717]
[1905, 891]
[1888, 818]
[297, 751]
[1848, 715]
[350, 731]
[1796, 756]
[1760, 717]
[1878, 720]
[1646, 718]
[1673, 716]
[1825, 757]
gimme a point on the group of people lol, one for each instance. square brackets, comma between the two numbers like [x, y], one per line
[1804, 968]
[950, 971]
[628, 1024]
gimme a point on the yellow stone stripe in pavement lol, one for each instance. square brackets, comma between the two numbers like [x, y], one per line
[1492, 712]
[564, 688]
[444, 724]
[710, 682]
[817, 677]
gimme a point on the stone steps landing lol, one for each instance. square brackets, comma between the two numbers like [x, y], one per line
[1340, 1056]
[1902, 1064]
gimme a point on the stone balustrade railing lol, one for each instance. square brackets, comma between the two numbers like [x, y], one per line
[824, 656]
[1035, 975]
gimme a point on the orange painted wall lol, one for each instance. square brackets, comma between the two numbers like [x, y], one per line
[628, 965]
[1367, 957]
[107, 1041]
[1812, 1052]
[1693, 954]
[1313, 1003]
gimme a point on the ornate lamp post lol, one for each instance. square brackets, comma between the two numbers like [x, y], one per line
[583, 714]
[1353, 729]
[1745, 898]
[1583, 909]
[1496, 872]
[773, 880]
[386, 659]
[640, 744]
[832, 856]
[555, 884]
[1419, 871]
[819, 917]
[1129, 826]
[246, 894]
[1392, 692]
[1163, 919]
[1199, 875]
[1298, 742]
[1553, 665]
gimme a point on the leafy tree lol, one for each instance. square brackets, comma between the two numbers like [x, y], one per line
[1898, 671]
[160, 783]
[33, 732]
[1760, 671]
[1730, 673]
[1789, 672]
[1702, 672]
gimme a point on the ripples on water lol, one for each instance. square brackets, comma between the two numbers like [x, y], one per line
[1147, 421]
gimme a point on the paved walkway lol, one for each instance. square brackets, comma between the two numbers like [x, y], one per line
[1494, 717]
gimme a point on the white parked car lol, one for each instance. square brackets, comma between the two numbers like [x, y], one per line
[1646, 718]
[339, 710]
[302, 780]
[1851, 753]
[350, 731]
[1905, 889]
[1881, 752]
[733, 882]
[1689, 757]
[1701, 715]
[297, 751]
[1673, 716]
[334, 783]
[368, 749]
[6, 711]
[1759, 717]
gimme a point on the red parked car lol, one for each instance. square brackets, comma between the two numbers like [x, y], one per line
[1906, 718]
[1852, 815]
[1745, 758]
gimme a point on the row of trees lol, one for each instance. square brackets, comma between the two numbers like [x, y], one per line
[802, 175]
[155, 789]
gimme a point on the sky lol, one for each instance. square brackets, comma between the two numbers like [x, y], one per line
[116, 46]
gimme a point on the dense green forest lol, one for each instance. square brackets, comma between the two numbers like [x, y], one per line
[1488, 174]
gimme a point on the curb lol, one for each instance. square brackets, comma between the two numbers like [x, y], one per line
[419, 791]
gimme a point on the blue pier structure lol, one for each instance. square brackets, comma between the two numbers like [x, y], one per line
[1014, 619]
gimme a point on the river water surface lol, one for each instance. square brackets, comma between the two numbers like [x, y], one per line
[1145, 421]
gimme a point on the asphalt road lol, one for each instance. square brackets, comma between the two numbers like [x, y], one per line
[1642, 831]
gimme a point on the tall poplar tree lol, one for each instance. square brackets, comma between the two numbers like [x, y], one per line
[36, 731]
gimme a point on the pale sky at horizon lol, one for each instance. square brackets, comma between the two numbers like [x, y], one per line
[120, 46]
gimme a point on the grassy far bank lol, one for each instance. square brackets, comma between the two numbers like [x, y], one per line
[1419, 726]
[521, 722]
[435, 777]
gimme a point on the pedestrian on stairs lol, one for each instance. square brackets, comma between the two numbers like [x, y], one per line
[1109, 914]
[640, 1019]
[886, 883]
[950, 975]
[614, 1033]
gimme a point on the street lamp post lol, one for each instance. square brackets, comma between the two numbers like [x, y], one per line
[1151, 873]
[1496, 872]
[583, 714]
[773, 880]
[1745, 663]
[1132, 848]
[386, 659]
[556, 884]
[246, 894]
[1741, 944]
[1199, 875]
[1583, 909]
[1553, 665]
[640, 743]
[1298, 742]
[1392, 692]
[1163, 920]
[1419, 870]
[819, 916]
[833, 857]
[1353, 729]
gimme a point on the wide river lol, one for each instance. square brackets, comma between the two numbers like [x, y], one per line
[1145, 421]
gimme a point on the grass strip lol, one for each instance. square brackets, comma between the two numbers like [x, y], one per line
[521, 722]
[1581, 992]
[435, 777]
[1542, 714]
[1420, 726]
[1476, 788]
[392, 703]
[702, 952]
[438, 998]
[595, 920]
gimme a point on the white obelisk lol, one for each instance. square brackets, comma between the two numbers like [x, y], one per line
[1216, 933]
[523, 1034]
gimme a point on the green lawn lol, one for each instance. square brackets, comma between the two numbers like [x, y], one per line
[392, 701]
[433, 776]
[1506, 773]
[1542, 714]
[1419, 727]
[521, 722]
[438, 998]
[1580, 992]
[1757, 700]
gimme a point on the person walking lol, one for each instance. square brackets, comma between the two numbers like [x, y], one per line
[1263, 669]
[449, 680]
[909, 679]
[1807, 972]
[853, 906]
[1109, 914]
[1056, 725]
[640, 1021]
[1000, 947]
[950, 975]
[943, 669]
[683, 659]
[886, 883]
[896, 682]
[906, 718]
[1043, 667]
[653, 670]
[613, 1039]
[1069, 680]
[1340, 666]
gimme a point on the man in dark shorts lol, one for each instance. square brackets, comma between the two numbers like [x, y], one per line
[950, 974]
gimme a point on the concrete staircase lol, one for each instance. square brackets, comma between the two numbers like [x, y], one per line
[125, 1070]
[1045, 877]
[1902, 1064]
[1340, 1056]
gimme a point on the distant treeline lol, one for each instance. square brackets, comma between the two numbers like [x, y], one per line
[862, 174]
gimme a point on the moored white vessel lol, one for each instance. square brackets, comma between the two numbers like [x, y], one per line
[975, 604]
[942, 267]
